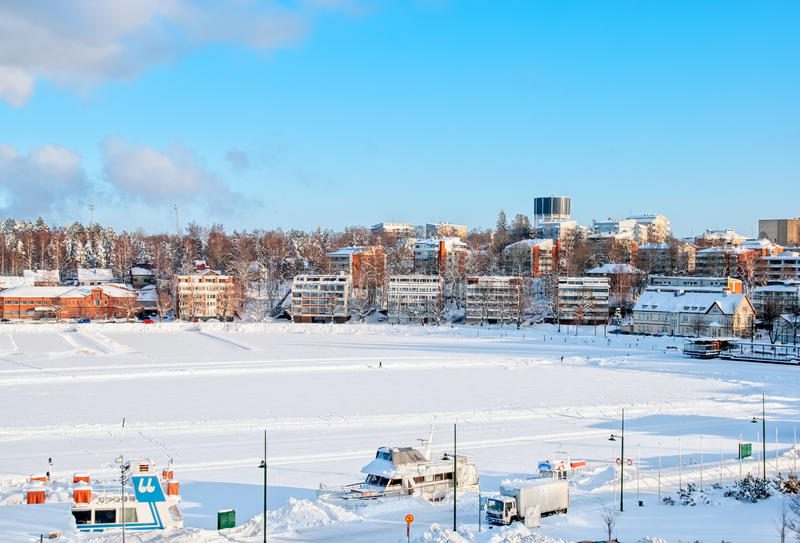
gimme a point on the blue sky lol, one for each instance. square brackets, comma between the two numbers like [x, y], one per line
[337, 112]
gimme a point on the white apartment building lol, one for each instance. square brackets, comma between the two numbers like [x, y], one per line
[694, 283]
[784, 296]
[494, 299]
[414, 298]
[780, 267]
[399, 229]
[89, 277]
[206, 295]
[651, 228]
[534, 257]
[583, 300]
[321, 298]
[440, 256]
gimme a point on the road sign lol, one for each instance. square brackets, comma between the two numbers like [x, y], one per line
[745, 450]
[409, 518]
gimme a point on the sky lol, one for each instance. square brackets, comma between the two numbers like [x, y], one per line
[330, 113]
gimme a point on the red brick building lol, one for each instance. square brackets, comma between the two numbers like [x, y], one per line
[97, 302]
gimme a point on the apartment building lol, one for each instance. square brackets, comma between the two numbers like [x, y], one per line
[625, 283]
[583, 300]
[717, 261]
[533, 257]
[780, 267]
[445, 256]
[365, 266]
[695, 283]
[665, 258]
[95, 302]
[445, 230]
[781, 231]
[397, 229]
[207, 294]
[687, 313]
[650, 228]
[494, 299]
[776, 297]
[414, 298]
[321, 298]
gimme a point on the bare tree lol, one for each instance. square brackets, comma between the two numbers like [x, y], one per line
[609, 518]
[164, 303]
[783, 520]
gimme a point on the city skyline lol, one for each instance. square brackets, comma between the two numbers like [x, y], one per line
[338, 113]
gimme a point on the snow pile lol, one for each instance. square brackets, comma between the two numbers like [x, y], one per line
[297, 515]
[516, 533]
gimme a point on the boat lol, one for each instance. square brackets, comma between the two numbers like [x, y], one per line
[405, 471]
[148, 501]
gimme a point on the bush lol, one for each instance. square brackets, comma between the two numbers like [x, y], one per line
[750, 489]
[790, 485]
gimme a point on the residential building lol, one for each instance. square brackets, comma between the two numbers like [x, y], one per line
[446, 230]
[650, 228]
[88, 277]
[397, 229]
[414, 298]
[560, 230]
[207, 294]
[321, 298]
[445, 256]
[783, 266]
[365, 266]
[781, 231]
[494, 299]
[142, 276]
[682, 313]
[583, 300]
[695, 283]
[625, 283]
[717, 238]
[532, 257]
[42, 278]
[551, 209]
[776, 297]
[95, 302]
[666, 258]
[726, 260]
[621, 229]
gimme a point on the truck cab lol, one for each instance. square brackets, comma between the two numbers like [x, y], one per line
[501, 510]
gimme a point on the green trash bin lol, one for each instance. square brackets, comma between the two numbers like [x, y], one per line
[226, 519]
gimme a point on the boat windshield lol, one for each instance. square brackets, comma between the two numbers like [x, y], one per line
[384, 455]
[376, 480]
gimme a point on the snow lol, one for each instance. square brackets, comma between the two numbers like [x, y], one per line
[202, 395]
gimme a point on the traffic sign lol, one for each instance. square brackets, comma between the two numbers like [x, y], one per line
[409, 518]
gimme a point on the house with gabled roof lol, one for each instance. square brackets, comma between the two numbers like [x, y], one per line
[686, 313]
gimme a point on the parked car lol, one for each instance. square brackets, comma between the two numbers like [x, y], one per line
[84, 320]
[147, 321]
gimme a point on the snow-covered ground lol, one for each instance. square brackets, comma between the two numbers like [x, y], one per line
[203, 396]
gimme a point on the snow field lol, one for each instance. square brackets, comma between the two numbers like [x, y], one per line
[203, 397]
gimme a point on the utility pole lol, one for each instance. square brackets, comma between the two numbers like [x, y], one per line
[263, 466]
[455, 478]
[621, 461]
[177, 219]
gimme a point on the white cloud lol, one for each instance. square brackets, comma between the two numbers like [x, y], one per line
[155, 176]
[86, 42]
[44, 179]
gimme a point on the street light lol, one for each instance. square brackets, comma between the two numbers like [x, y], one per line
[621, 437]
[263, 466]
[763, 438]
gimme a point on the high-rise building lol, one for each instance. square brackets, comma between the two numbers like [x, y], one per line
[780, 231]
[551, 209]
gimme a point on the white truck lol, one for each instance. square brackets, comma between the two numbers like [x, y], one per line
[524, 500]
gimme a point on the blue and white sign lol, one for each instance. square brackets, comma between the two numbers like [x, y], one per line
[147, 489]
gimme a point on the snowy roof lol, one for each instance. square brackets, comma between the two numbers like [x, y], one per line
[613, 269]
[346, 251]
[689, 302]
[11, 281]
[115, 291]
[42, 276]
[760, 243]
[726, 250]
[529, 243]
[136, 270]
[95, 274]
[789, 286]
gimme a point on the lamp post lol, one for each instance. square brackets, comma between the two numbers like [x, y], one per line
[763, 438]
[621, 437]
[263, 466]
